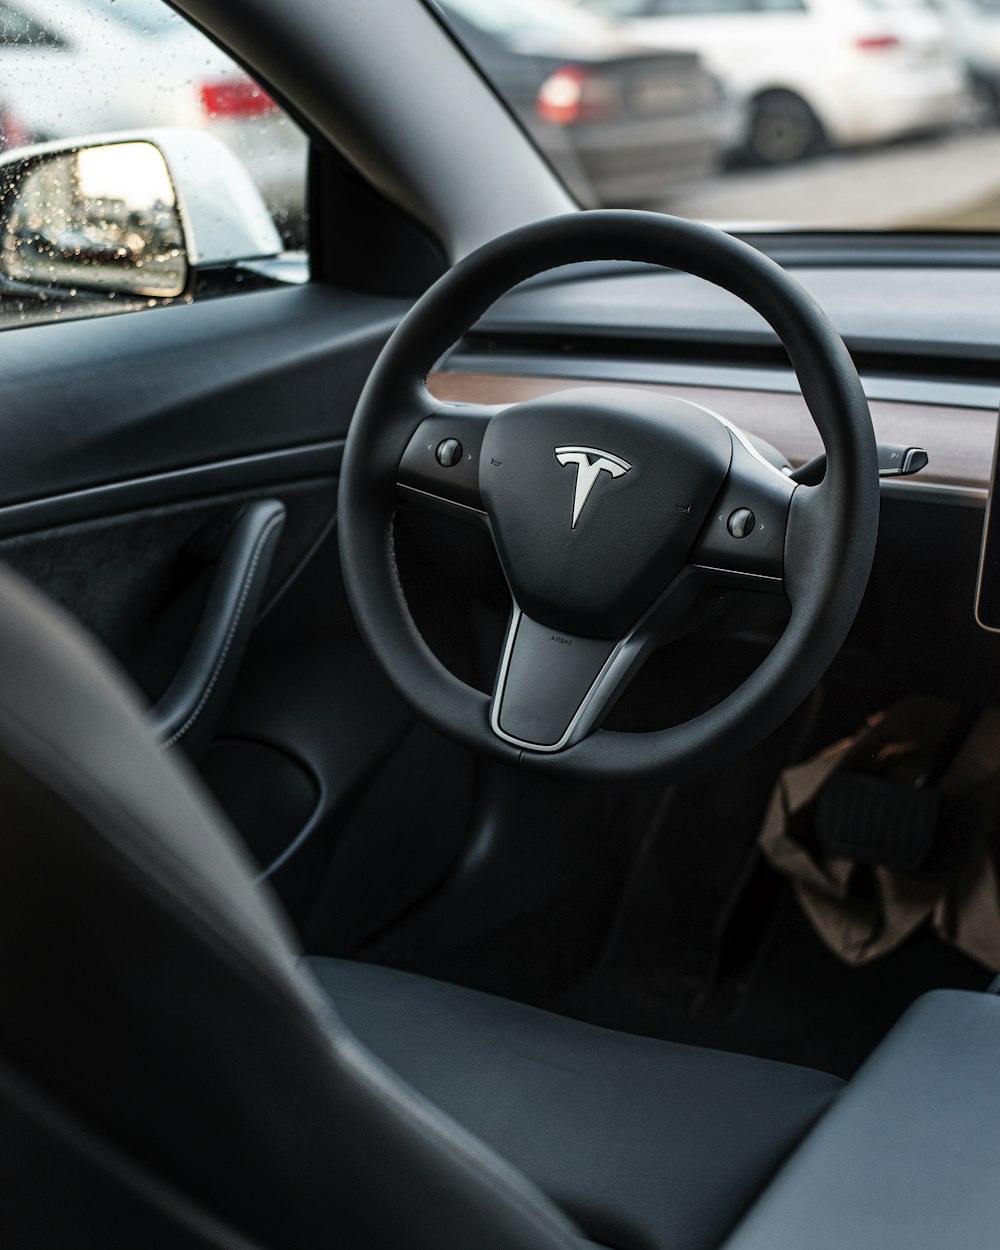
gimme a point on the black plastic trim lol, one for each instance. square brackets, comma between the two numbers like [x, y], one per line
[893, 318]
[197, 482]
[96, 403]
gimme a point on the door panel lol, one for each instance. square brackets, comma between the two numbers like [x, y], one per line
[90, 403]
[133, 445]
[310, 714]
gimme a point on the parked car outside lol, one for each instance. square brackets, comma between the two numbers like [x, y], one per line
[815, 72]
[124, 64]
[621, 123]
[13, 133]
[975, 27]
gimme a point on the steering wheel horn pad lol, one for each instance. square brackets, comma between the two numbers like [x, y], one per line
[595, 499]
[611, 510]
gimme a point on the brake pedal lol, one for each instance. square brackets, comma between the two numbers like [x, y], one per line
[877, 821]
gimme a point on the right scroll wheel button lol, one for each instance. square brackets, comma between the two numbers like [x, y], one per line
[741, 523]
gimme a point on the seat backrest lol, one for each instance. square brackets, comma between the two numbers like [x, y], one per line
[168, 1077]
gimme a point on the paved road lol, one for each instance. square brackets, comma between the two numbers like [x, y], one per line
[951, 180]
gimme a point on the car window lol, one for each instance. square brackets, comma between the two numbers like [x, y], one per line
[702, 7]
[781, 6]
[76, 72]
[17, 29]
[618, 8]
[763, 115]
[146, 17]
[888, 6]
[520, 18]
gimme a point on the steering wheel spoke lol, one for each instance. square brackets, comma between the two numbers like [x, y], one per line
[440, 466]
[553, 688]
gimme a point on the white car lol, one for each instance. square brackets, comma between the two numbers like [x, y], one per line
[815, 72]
[127, 64]
[975, 27]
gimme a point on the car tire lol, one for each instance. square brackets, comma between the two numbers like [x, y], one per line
[783, 129]
[985, 100]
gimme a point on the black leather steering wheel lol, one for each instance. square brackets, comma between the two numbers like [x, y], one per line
[612, 512]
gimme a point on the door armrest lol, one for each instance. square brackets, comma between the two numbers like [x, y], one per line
[188, 713]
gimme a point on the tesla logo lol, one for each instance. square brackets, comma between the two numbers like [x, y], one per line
[589, 464]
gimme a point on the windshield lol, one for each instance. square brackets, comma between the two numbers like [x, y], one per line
[147, 17]
[888, 5]
[871, 115]
[520, 18]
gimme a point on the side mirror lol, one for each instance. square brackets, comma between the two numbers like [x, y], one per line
[136, 214]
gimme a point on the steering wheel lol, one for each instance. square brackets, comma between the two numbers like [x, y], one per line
[613, 513]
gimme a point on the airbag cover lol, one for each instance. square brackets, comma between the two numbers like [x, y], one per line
[596, 497]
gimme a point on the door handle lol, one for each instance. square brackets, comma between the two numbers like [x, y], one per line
[189, 711]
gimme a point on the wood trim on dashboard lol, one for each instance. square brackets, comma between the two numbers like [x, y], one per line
[959, 441]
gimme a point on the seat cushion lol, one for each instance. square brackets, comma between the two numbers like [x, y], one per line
[647, 1144]
[909, 1157]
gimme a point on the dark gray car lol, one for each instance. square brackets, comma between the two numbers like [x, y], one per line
[621, 124]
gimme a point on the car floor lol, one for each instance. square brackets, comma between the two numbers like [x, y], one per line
[711, 948]
[796, 1002]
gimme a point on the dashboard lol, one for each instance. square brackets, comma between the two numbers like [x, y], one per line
[926, 344]
[959, 441]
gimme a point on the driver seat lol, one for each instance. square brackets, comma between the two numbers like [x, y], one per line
[173, 1074]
